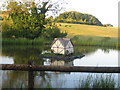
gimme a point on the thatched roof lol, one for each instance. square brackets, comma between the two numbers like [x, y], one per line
[64, 41]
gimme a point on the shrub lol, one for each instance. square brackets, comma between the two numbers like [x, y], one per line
[53, 32]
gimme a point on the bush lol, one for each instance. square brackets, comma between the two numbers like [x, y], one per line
[53, 32]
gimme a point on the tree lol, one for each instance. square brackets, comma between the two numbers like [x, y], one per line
[28, 18]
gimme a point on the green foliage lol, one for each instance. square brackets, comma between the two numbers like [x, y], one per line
[52, 31]
[78, 18]
[28, 21]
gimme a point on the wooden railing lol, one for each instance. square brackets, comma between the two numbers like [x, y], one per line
[26, 67]
[31, 68]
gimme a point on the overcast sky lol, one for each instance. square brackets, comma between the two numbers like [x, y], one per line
[105, 10]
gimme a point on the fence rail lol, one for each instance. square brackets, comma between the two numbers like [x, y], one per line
[27, 67]
[31, 68]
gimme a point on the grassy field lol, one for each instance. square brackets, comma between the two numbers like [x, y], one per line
[88, 30]
[90, 35]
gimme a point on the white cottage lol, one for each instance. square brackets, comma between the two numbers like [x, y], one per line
[62, 46]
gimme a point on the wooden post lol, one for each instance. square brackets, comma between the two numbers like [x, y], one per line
[30, 76]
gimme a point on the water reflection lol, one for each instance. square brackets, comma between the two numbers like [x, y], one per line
[14, 79]
[99, 58]
[6, 60]
[23, 54]
[68, 80]
[94, 56]
[57, 62]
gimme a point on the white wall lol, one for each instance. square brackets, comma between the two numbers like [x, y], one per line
[61, 49]
[69, 47]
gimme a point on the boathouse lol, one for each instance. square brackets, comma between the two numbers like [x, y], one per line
[62, 46]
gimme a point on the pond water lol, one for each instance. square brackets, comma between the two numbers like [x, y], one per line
[94, 56]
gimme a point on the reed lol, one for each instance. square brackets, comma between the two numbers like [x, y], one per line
[77, 41]
[98, 82]
[95, 41]
[24, 41]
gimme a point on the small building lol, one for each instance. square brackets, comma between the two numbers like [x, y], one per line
[62, 46]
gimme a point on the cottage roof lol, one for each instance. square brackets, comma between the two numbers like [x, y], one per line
[64, 41]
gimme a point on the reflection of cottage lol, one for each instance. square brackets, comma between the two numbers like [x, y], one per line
[61, 63]
[58, 63]
[62, 46]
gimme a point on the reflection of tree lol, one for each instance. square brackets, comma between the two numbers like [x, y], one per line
[23, 54]
[105, 39]
[42, 79]
[88, 50]
[106, 50]
[14, 79]
[49, 79]
[84, 50]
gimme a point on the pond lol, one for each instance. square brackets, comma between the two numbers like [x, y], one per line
[94, 56]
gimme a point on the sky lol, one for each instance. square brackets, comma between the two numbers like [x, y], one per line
[105, 10]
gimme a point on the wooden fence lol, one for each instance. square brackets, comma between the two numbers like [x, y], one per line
[26, 67]
[31, 68]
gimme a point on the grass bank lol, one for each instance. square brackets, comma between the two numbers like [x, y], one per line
[94, 41]
[24, 41]
[76, 40]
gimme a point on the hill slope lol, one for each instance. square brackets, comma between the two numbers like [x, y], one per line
[88, 30]
[78, 18]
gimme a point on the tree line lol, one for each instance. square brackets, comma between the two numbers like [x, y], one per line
[78, 18]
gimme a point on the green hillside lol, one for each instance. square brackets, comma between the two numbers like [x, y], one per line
[88, 30]
[78, 18]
